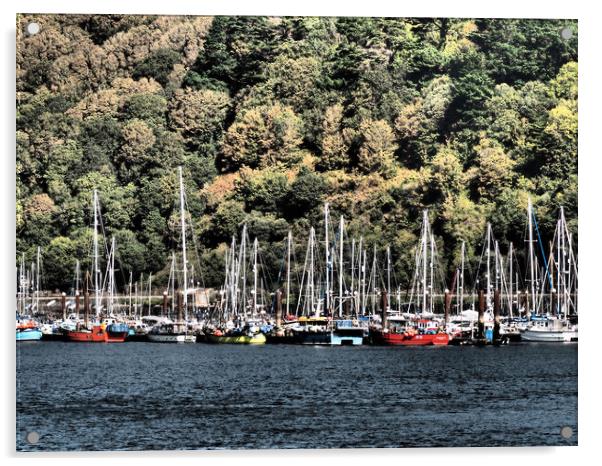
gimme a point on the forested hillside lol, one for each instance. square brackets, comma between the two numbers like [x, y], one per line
[271, 117]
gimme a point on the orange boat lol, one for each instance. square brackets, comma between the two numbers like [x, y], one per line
[408, 338]
[98, 334]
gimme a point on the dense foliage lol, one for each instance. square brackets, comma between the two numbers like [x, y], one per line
[271, 117]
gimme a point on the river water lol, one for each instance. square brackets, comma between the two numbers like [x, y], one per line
[144, 396]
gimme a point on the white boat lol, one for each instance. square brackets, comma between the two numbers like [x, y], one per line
[167, 333]
[550, 331]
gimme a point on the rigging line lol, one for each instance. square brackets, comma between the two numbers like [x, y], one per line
[545, 261]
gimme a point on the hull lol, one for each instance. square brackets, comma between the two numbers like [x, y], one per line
[281, 339]
[329, 338]
[137, 337]
[32, 334]
[258, 339]
[97, 335]
[401, 339]
[553, 336]
[170, 338]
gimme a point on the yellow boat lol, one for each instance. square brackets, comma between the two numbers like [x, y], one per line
[257, 339]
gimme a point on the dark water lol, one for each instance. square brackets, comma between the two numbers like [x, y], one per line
[136, 396]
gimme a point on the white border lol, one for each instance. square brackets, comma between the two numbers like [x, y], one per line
[589, 225]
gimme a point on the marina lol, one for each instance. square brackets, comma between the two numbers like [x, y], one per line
[342, 300]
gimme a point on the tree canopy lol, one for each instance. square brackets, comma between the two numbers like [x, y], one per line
[272, 117]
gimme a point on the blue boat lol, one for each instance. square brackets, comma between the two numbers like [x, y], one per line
[29, 334]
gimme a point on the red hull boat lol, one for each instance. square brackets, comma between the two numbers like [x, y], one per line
[98, 335]
[410, 339]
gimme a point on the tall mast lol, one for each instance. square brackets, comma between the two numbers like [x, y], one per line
[38, 280]
[360, 270]
[424, 257]
[432, 265]
[341, 226]
[112, 276]
[463, 252]
[365, 260]
[150, 287]
[352, 289]
[531, 258]
[130, 295]
[184, 260]
[96, 267]
[254, 277]
[288, 272]
[488, 265]
[327, 250]
[373, 275]
[510, 290]
[312, 283]
[243, 262]
[388, 269]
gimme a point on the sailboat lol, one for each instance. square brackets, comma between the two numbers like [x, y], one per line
[555, 326]
[98, 332]
[417, 330]
[238, 326]
[325, 321]
[177, 332]
[27, 329]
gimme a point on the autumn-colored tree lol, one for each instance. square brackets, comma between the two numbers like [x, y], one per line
[263, 137]
[377, 147]
[494, 169]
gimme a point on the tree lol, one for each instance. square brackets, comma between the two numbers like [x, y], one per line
[158, 65]
[494, 170]
[335, 147]
[446, 180]
[307, 191]
[377, 147]
[263, 137]
[199, 115]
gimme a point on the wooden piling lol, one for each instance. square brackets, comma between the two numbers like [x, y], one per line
[164, 308]
[496, 316]
[278, 310]
[385, 306]
[77, 304]
[481, 322]
[64, 305]
[447, 302]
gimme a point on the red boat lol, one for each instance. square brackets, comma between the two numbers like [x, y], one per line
[98, 334]
[409, 338]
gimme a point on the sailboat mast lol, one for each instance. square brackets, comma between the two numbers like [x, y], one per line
[38, 280]
[510, 290]
[461, 294]
[352, 290]
[96, 267]
[112, 276]
[150, 287]
[184, 260]
[254, 277]
[488, 265]
[130, 295]
[531, 259]
[327, 250]
[432, 264]
[341, 226]
[288, 271]
[312, 283]
[424, 258]
[388, 269]
[364, 271]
